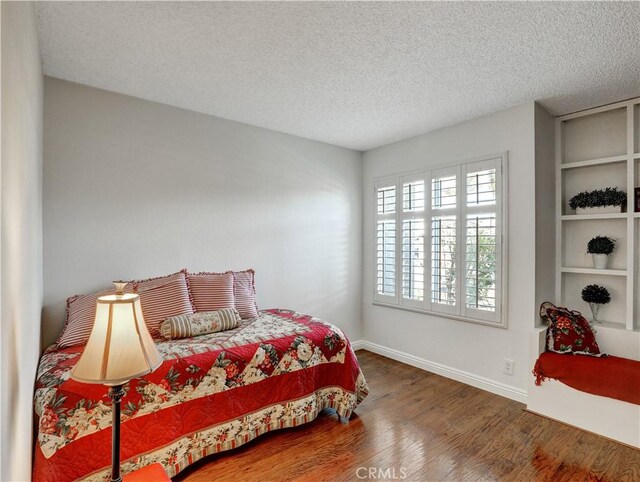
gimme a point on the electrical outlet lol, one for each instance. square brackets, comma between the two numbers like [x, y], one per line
[508, 366]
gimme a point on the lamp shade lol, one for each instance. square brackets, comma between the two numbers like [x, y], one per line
[120, 347]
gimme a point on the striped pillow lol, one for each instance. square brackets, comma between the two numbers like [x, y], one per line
[81, 313]
[183, 326]
[162, 298]
[244, 293]
[211, 291]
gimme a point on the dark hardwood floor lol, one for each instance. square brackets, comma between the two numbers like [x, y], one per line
[425, 427]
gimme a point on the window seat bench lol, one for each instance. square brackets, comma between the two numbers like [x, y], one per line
[611, 376]
[585, 391]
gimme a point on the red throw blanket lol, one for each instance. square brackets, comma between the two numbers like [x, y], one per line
[611, 377]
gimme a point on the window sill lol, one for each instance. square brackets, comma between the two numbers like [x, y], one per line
[492, 324]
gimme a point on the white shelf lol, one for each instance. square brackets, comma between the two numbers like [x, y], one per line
[604, 272]
[587, 217]
[593, 162]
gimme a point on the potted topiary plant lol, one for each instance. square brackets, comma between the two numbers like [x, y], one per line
[596, 296]
[599, 201]
[600, 247]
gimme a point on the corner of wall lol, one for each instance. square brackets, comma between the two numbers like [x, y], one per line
[362, 324]
[545, 179]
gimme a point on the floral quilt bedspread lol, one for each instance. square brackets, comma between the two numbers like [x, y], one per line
[212, 393]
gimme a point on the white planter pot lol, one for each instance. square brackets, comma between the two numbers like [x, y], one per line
[599, 210]
[600, 261]
[595, 309]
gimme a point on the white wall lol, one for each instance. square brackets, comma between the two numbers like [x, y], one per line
[21, 239]
[545, 207]
[134, 189]
[472, 348]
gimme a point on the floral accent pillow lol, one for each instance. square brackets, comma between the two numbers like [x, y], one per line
[184, 326]
[568, 331]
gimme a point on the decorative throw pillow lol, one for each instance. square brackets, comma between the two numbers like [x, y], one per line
[81, 313]
[568, 331]
[244, 293]
[211, 291]
[183, 326]
[162, 298]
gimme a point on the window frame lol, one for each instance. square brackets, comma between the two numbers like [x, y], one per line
[459, 311]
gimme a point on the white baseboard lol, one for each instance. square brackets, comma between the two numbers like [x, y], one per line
[357, 345]
[514, 393]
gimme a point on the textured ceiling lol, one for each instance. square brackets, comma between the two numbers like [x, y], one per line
[357, 75]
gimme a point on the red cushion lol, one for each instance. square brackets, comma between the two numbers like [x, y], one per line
[610, 376]
[150, 473]
[568, 331]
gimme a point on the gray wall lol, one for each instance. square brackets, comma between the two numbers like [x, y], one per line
[21, 239]
[134, 189]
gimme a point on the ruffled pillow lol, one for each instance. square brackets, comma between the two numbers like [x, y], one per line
[184, 326]
[162, 298]
[244, 293]
[568, 331]
[81, 313]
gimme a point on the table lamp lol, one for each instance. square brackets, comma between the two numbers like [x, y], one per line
[119, 349]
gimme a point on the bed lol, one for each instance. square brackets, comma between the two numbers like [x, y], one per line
[212, 393]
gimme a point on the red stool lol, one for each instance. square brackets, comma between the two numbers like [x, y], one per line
[150, 473]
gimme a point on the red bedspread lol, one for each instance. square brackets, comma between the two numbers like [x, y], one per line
[611, 376]
[213, 393]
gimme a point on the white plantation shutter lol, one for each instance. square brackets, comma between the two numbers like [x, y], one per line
[413, 259]
[444, 240]
[443, 192]
[413, 196]
[387, 258]
[482, 240]
[413, 241]
[439, 242]
[480, 279]
[387, 200]
[443, 260]
[386, 252]
[481, 187]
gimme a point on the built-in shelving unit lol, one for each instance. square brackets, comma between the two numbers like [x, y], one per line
[599, 148]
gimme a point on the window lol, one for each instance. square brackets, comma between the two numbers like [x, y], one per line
[439, 241]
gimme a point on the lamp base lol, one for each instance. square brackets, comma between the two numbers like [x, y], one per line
[116, 393]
